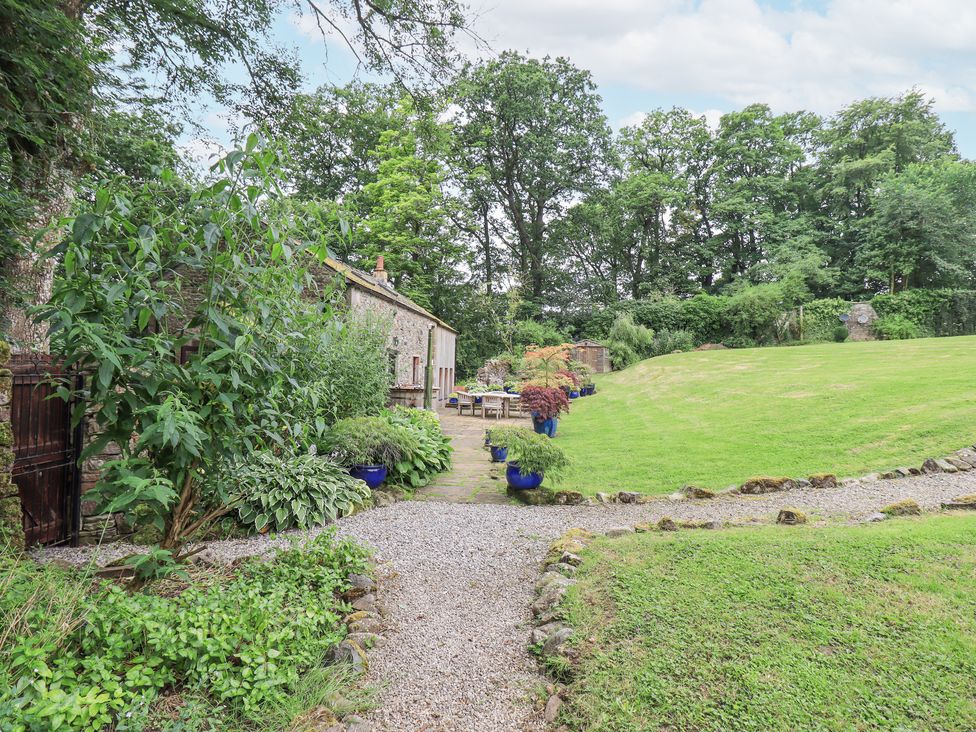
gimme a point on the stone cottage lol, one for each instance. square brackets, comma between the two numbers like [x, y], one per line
[410, 333]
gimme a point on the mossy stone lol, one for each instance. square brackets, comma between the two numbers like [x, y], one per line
[908, 507]
[791, 517]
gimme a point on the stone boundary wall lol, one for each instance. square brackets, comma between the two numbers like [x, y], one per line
[11, 518]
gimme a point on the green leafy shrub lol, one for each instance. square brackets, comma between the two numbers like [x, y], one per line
[533, 333]
[669, 341]
[107, 653]
[535, 453]
[705, 317]
[936, 312]
[896, 328]
[286, 491]
[821, 318]
[149, 275]
[628, 342]
[753, 312]
[347, 374]
[841, 333]
[369, 441]
[502, 435]
[432, 454]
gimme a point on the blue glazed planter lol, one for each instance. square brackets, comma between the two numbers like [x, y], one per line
[371, 475]
[521, 482]
[545, 427]
[499, 454]
[574, 395]
[477, 400]
[453, 400]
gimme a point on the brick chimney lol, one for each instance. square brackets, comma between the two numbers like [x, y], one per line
[380, 273]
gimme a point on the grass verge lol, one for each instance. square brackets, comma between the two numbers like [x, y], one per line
[843, 628]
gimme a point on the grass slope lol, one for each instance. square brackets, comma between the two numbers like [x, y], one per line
[718, 417]
[845, 628]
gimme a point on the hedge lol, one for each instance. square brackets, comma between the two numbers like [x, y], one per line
[751, 317]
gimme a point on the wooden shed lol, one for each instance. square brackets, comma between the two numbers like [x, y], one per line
[593, 354]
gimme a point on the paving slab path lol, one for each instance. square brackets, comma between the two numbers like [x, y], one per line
[472, 478]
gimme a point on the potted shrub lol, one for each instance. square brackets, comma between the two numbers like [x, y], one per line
[368, 446]
[498, 441]
[534, 456]
[545, 405]
[584, 376]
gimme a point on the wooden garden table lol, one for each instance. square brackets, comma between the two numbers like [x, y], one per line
[507, 400]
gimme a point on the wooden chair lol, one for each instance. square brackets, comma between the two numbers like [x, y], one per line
[465, 401]
[515, 406]
[494, 404]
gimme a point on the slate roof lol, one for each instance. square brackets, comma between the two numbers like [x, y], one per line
[383, 290]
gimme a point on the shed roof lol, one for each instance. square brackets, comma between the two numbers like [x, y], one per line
[367, 282]
[588, 342]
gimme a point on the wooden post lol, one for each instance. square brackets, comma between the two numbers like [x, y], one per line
[429, 371]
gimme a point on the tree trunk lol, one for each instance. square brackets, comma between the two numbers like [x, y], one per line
[51, 188]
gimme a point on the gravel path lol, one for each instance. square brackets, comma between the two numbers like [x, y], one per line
[461, 582]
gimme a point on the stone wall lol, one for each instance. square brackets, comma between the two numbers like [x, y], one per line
[407, 339]
[96, 527]
[11, 518]
[860, 322]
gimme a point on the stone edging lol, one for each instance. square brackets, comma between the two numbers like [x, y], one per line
[365, 626]
[960, 461]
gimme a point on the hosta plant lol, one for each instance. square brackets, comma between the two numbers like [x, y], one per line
[286, 491]
[432, 454]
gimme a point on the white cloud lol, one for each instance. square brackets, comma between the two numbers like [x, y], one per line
[744, 52]
[201, 152]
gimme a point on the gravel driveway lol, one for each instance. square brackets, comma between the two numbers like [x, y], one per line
[460, 587]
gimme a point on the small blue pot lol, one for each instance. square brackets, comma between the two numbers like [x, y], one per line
[371, 475]
[521, 482]
[574, 395]
[453, 400]
[546, 427]
[499, 454]
[477, 400]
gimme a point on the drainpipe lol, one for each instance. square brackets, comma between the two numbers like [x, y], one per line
[429, 371]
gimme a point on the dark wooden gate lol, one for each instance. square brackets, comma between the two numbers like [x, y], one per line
[45, 450]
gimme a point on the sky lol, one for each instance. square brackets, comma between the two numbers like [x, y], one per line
[714, 56]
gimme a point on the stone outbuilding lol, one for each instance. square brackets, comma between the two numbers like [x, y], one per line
[413, 329]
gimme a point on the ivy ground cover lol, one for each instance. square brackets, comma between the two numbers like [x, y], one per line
[866, 627]
[715, 418]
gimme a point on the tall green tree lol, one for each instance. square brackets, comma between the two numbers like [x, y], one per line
[406, 215]
[859, 145]
[535, 129]
[57, 66]
[922, 232]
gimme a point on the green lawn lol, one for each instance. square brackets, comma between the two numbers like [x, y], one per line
[718, 417]
[845, 628]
